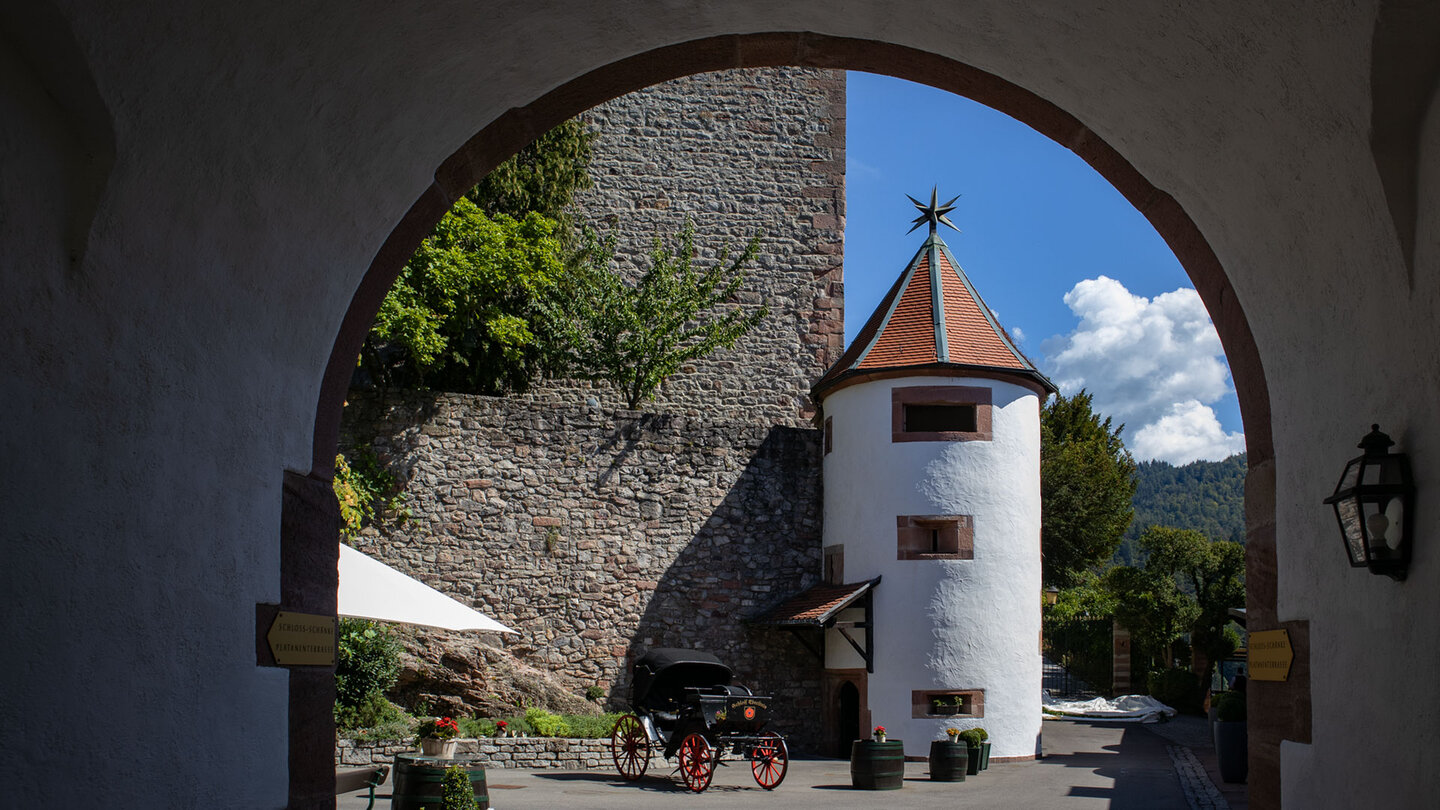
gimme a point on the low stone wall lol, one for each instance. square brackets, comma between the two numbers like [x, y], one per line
[499, 752]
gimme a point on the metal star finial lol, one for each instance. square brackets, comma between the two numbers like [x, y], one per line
[934, 213]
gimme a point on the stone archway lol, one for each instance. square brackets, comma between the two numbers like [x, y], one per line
[308, 522]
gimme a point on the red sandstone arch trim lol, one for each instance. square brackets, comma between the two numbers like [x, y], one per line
[517, 127]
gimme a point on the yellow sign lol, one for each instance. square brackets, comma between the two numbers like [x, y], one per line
[302, 640]
[1270, 655]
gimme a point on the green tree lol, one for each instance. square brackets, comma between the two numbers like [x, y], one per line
[1212, 571]
[367, 662]
[464, 315]
[1086, 485]
[1155, 611]
[1078, 630]
[542, 178]
[635, 336]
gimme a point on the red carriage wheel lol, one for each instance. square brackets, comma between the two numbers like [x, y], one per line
[697, 762]
[630, 747]
[769, 760]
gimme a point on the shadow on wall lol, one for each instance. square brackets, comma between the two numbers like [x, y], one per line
[758, 547]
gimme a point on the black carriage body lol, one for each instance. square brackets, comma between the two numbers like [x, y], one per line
[686, 701]
[686, 691]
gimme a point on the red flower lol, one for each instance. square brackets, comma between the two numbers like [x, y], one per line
[879, 729]
[501, 724]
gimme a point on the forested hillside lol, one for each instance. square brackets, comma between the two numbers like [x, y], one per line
[1208, 496]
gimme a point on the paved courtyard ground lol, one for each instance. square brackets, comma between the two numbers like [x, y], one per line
[1087, 765]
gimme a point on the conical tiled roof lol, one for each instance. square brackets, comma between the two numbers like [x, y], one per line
[932, 319]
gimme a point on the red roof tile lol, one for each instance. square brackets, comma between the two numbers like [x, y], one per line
[817, 604]
[938, 321]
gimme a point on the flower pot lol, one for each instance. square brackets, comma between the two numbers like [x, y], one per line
[435, 747]
[984, 755]
[1232, 749]
[972, 763]
[945, 710]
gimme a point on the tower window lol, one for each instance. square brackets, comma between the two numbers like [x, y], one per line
[939, 418]
[940, 413]
[935, 537]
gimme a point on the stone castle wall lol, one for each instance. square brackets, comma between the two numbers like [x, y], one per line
[739, 153]
[598, 534]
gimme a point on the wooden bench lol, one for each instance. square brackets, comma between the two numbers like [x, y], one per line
[370, 776]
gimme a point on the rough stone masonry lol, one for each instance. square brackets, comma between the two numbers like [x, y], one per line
[598, 532]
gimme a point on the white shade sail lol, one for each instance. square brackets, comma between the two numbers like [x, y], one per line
[370, 589]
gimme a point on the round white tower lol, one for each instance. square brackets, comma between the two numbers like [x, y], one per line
[932, 486]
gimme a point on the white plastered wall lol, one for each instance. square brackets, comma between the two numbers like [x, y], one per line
[944, 624]
[157, 388]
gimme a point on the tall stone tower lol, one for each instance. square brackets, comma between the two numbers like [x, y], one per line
[932, 513]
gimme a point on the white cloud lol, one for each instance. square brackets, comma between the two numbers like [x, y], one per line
[1017, 334]
[1153, 364]
[1187, 433]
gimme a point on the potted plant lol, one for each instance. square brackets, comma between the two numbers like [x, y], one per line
[437, 737]
[500, 726]
[943, 706]
[1232, 747]
[974, 739]
[879, 734]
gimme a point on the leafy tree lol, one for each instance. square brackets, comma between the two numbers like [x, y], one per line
[1212, 571]
[542, 178]
[367, 662]
[1156, 612]
[464, 315]
[1208, 496]
[1078, 631]
[366, 492]
[635, 336]
[1086, 486]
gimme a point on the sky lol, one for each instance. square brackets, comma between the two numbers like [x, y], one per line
[1081, 280]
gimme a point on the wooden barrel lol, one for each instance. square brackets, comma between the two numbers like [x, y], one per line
[948, 761]
[877, 765]
[419, 781]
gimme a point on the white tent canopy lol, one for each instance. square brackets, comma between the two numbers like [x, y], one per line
[370, 589]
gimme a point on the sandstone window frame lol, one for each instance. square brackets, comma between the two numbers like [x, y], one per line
[935, 537]
[922, 702]
[834, 562]
[944, 396]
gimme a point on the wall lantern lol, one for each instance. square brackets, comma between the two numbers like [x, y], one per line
[1374, 505]
[1052, 595]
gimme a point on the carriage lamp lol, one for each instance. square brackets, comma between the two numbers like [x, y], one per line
[1374, 506]
[1052, 595]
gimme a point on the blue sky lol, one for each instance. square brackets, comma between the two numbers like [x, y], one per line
[1090, 290]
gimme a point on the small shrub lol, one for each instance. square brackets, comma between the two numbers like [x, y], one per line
[472, 727]
[1177, 688]
[547, 724]
[595, 692]
[1230, 707]
[456, 792]
[973, 737]
[374, 719]
[367, 661]
[591, 727]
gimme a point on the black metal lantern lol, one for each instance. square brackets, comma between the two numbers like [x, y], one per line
[1374, 504]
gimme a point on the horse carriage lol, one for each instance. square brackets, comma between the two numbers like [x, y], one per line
[686, 706]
